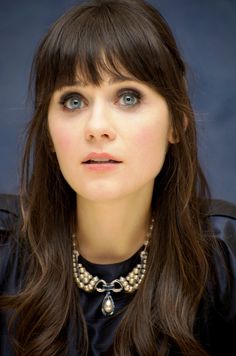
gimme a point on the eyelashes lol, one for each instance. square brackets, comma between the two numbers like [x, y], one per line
[71, 101]
[130, 97]
[126, 98]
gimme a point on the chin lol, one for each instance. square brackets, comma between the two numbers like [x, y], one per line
[106, 195]
[100, 197]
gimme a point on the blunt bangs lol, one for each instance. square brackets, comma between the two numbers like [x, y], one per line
[105, 37]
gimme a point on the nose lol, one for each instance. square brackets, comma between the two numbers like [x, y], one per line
[99, 124]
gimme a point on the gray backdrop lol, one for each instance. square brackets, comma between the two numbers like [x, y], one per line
[206, 33]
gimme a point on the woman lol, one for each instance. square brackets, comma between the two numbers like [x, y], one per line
[116, 253]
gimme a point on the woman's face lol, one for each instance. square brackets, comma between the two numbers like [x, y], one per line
[110, 140]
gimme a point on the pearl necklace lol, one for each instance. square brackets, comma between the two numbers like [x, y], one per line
[129, 284]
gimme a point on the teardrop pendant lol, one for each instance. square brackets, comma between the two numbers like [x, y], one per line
[108, 305]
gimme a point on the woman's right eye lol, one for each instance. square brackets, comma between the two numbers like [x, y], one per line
[72, 102]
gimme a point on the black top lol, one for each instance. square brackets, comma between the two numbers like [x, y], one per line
[102, 328]
[216, 331]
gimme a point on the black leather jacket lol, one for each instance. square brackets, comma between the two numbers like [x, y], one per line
[215, 322]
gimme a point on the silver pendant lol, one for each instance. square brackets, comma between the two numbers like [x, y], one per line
[108, 305]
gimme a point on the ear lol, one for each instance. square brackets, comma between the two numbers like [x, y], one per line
[185, 122]
[173, 136]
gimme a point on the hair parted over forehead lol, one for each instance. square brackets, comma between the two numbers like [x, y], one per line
[111, 36]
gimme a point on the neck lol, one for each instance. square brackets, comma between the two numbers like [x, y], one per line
[111, 232]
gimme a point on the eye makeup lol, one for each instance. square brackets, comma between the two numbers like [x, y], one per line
[73, 100]
[68, 96]
[130, 93]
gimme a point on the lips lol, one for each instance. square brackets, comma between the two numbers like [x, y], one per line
[94, 161]
[100, 158]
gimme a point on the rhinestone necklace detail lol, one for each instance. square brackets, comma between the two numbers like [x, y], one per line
[128, 284]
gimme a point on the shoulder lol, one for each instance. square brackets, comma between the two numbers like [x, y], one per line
[216, 319]
[9, 213]
[9, 242]
[222, 217]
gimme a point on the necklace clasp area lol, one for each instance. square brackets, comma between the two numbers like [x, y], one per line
[114, 286]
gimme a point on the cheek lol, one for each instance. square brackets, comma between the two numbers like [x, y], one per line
[150, 147]
[143, 137]
[62, 139]
[152, 139]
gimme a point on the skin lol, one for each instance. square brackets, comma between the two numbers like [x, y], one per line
[113, 206]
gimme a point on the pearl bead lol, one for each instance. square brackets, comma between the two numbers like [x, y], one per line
[108, 306]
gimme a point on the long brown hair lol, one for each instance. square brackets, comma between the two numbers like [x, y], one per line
[98, 36]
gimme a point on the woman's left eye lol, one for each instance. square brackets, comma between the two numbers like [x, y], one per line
[129, 98]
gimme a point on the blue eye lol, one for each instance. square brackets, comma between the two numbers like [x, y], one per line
[72, 101]
[130, 98]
